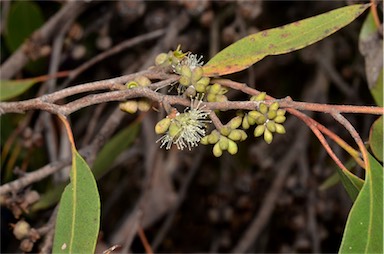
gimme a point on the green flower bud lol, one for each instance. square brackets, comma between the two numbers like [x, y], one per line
[211, 97]
[215, 88]
[174, 129]
[251, 120]
[263, 108]
[271, 114]
[271, 126]
[162, 126]
[197, 73]
[235, 122]
[200, 87]
[223, 143]
[186, 71]
[190, 92]
[274, 106]
[235, 135]
[204, 140]
[260, 97]
[131, 84]
[259, 130]
[129, 106]
[143, 81]
[261, 120]
[280, 112]
[225, 130]
[185, 81]
[217, 150]
[143, 105]
[232, 147]
[204, 81]
[280, 128]
[221, 98]
[254, 114]
[214, 137]
[279, 119]
[243, 135]
[268, 136]
[245, 123]
[161, 59]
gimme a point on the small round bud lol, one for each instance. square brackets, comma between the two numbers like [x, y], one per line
[235, 122]
[131, 84]
[190, 92]
[221, 98]
[21, 229]
[204, 81]
[280, 112]
[225, 130]
[215, 88]
[263, 108]
[271, 126]
[217, 150]
[268, 137]
[186, 71]
[26, 245]
[245, 123]
[161, 59]
[223, 143]
[261, 120]
[214, 137]
[143, 105]
[174, 129]
[271, 114]
[259, 97]
[204, 140]
[251, 120]
[197, 73]
[280, 128]
[129, 106]
[200, 87]
[143, 81]
[254, 114]
[274, 106]
[232, 147]
[279, 119]
[259, 130]
[211, 97]
[185, 81]
[243, 135]
[162, 126]
[235, 135]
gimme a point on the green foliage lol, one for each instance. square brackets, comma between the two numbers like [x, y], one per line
[251, 49]
[78, 218]
[364, 229]
[24, 17]
[351, 183]
[12, 88]
[376, 138]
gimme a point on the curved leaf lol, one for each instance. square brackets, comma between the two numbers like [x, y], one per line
[247, 51]
[78, 218]
[376, 138]
[364, 230]
[13, 88]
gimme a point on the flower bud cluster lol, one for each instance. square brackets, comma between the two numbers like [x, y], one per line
[225, 139]
[192, 80]
[268, 119]
[215, 93]
[132, 106]
[170, 59]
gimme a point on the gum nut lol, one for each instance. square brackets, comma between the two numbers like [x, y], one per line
[129, 106]
[259, 130]
[131, 84]
[254, 114]
[274, 106]
[235, 122]
[271, 114]
[232, 147]
[263, 108]
[204, 140]
[261, 120]
[245, 123]
[185, 81]
[225, 130]
[144, 105]
[215, 88]
[243, 135]
[279, 119]
[143, 81]
[280, 128]
[214, 137]
[217, 150]
[235, 135]
[223, 143]
[251, 120]
[190, 92]
[186, 71]
[162, 126]
[21, 229]
[161, 58]
[260, 97]
[200, 88]
[197, 73]
[280, 112]
[204, 81]
[174, 129]
[268, 137]
[221, 98]
[211, 97]
[271, 126]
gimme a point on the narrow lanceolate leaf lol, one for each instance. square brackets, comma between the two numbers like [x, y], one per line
[376, 138]
[78, 218]
[364, 230]
[351, 183]
[13, 88]
[247, 51]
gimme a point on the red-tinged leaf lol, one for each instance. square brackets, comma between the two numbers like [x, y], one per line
[247, 51]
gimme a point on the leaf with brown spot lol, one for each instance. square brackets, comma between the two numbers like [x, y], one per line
[251, 49]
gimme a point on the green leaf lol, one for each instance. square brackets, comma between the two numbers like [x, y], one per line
[120, 142]
[247, 51]
[351, 183]
[377, 90]
[364, 230]
[78, 218]
[12, 88]
[24, 17]
[376, 138]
